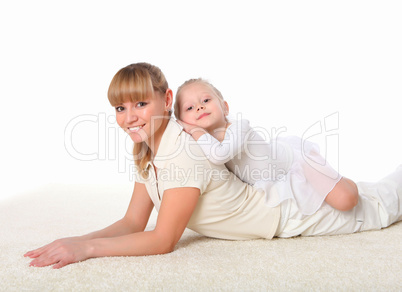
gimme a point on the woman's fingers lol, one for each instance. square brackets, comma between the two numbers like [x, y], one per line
[40, 250]
[60, 264]
[57, 259]
[48, 257]
[43, 256]
[29, 254]
[43, 261]
[35, 253]
[59, 253]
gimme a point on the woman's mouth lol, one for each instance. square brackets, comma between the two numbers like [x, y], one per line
[135, 129]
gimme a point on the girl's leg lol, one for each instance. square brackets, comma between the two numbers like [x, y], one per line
[344, 196]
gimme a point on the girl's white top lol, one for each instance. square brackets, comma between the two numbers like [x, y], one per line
[283, 167]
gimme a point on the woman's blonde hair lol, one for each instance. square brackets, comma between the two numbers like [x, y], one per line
[177, 109]
[137, 82]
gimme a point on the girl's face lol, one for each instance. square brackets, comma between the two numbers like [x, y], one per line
[143, 120]
[200, 106]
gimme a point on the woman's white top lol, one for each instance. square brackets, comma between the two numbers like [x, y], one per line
[294, 167]
[227, 208]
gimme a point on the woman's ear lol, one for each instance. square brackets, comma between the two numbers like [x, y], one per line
[168, 99]
[226, 108]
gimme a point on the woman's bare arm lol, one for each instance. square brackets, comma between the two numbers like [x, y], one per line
[135, 220]
[175, 212]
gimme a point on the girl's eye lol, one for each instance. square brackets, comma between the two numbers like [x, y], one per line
[206, 100]
[189, 108]
[119, 108]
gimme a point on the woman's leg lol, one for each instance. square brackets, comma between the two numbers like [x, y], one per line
[379, 205]
[344, 196]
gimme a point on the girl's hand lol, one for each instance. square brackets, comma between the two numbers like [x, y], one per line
[193, 130]
[187, 127]
[60, 253]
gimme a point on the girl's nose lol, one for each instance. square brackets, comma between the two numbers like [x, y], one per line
[200, 107]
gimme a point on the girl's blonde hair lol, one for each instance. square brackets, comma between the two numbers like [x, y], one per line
[177, 109]
[134, 83]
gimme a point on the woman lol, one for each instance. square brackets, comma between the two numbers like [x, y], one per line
[189, 191]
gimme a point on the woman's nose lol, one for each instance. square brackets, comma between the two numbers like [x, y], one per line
[131, 116]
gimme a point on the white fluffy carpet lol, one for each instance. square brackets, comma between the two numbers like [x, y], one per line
[368, 261]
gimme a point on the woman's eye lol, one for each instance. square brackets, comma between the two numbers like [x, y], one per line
[141, 104]
[119, 108]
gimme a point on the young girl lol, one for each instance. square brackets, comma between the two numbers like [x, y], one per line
[187, 190]
[295, 166]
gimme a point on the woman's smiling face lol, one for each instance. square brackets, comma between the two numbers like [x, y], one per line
[142, 120]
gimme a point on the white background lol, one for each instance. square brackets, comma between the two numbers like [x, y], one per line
[281, 63]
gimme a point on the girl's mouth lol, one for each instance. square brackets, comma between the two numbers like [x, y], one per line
[203, 115]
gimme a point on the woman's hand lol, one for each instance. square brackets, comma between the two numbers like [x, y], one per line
[60, 253]
[74, 249]
[193, 130]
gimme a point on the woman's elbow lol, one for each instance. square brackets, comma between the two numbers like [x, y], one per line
[165, 244]
[167, 248]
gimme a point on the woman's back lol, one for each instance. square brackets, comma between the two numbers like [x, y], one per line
[227, 208]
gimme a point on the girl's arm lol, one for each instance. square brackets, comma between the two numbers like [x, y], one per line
[220, 152]
[124, 238]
